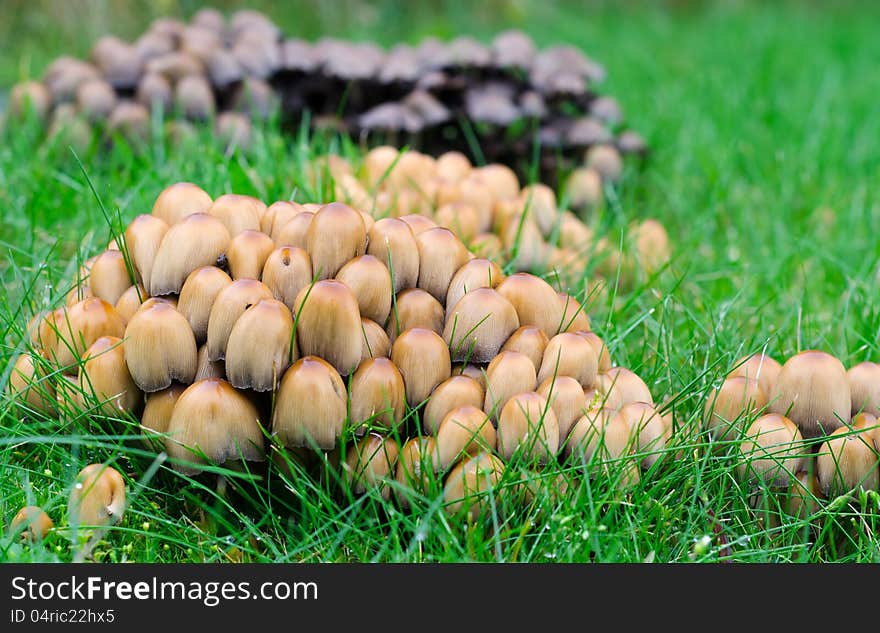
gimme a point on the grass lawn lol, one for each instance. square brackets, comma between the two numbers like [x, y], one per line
[763, 122]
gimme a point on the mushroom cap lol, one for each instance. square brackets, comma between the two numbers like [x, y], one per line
[441, 255]
[416, 466]
[229, 304]
[423, 359]
[286, 272]
[378, 394]
[454, 392]
[336, 234]
[864, 385]
[813, 392]
[415, 308]
[104, 375]
[160, 347]
[83, 324]
[470, 486]
[847, 460]
[652, 431]
[28, 385]
[195, 241]
[238, 213]
[568, 354]
[369, 463]
[465, 430]
[392, 242]
[567, 399]
[729, 407]
[198, 295]
[180, 200]
[260, 346]
[98, 496]
[370, 281]
[328, 324]
[213, 423]
[479, 324]
[528, 425]
[529, 340]
[535, 301]
[156, 416]
[310, 406]
[602, 438]
[31, 523]
[508, 374]
[772, 451]
[247, 254]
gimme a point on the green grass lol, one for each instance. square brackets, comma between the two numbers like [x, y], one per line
[763, 123]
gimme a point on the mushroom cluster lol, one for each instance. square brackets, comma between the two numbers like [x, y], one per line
[808, 426]
[434, 96]
[226, 327]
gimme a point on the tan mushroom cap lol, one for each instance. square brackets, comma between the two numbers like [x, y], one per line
[392, 242]
[97, 497]
[31, 523]
[29, 386]
[336, 235]
[535, 301]
[847, 460]
[260, 346]
[813, 392]
[529, 340]
[864, 385]
[310, 406]
[567, 399]
[195, 241]
[729, 408]
[508, 374]
[568, 354]
[415, 468]
[772, 451]
[160, 347]
[465, 430]
[760, 367]
[369, 280]
[378, 395]
[369, 464]
[478, 325]
[454, 392]
[229, 304]
[197, 297]
[423, 359]
[415, 308]
[180, 200]
[104, 376]
[527, 425]
[328, 324]
[472, 486]
[156, 417]
[286, 272]
[81, 325]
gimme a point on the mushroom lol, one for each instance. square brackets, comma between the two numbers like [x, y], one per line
[238, 213]
[415, 469]
[336, 235]
[441, 255]
[459, 217]
[260, 346]
[197, 240]
[376, 341]
[567, 399]
[194, 98]
[529, 340]
[95, 99]
[606, 160]
[197, 297]
[478, 325]
[584, 188]
[130, 302]
[731, 405]
[378, 396]
[812, 391]
[287, 271]
[31, 523]
[29, 97]
[143, 236]
[247, 254]
[369, 463]
[804, 495]
[209, 368]
[470, 487]
[847, 460]
[230, 303]
[212, 423]
[452, 393]
[370, 282]
[500, 179]
[414, 308]
[295, 233]
[392, 242]
[652, 245]
[277, 215]
[471, 371]
[653, 432]
[864, 385]
[28, 384]
[453, 166]
[772, 451]
[159, 347]
[105, 376]
[600, 439]
[180, 200]
[417, 222]
[624, 386]
[378, 163]
[528, 425]
[574, 315]
[328, 324]
[310, 406]
[476, 273]
[569, 354]
[464, 431]
[98, 497]
[758, 367]
[601, 350]
[154, 91]
[539, 202]
[156, 417]
[535, 301]
[109, 276]
[82, 325]
[423, 359]
[508, 374]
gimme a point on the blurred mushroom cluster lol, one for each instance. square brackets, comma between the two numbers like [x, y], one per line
[494, 102]
[807, 428]
[233, 330]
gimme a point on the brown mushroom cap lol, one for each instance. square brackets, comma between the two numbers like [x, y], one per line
[864, 385]
[601, 350]
[508, 374]
[336, 235]
[567, 399]
[328, 324]
[568, 354]
[287, 271]
[28, 385]
[528, 425]
[376, 341]
[529, 340]
[813, 392]
[470, 487]
[108, 277]
[229, 304]
[195, 241]
[465, 430]
[105, 376]
[81, 325]
[31, 523]
[535, 301]
[180, 200]
[603, 437]
[772, 451]
[626, 387]
[452, 393]
[213, 423]
[98, 496]
[651, 430]
[159, 347]
[197, 297]
[247, 254]
[260, 346]
[370, 281]
[415, 468]
[423, 359]
[414, 308]
[758, 367]
[369, 464]
[847, 460]
[478, 325]
[238, 213]
[143, 237]
[392, 242]
[441, 255]
[378, 395]
[804, 495]
[477, 273]
[729, 407]
[157, 415]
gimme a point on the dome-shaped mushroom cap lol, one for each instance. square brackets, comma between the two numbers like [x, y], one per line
[813, 392]
[471, 485]
[160, 347]
[98, 496]
[478, 325]
[864, 385]
[179, 200]
[773, 451]
[528, 424]
[195, 241]
[847, 460]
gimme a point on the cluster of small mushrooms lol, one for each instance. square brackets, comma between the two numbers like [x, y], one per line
[230, 330]
[433, 96]
[808, 426]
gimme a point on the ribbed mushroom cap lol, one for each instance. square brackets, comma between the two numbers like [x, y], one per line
[378, 395]
[392, 242]
[529, 340]
[286, 272]
[197, 297]
[464, 431]
[470, 486]
[416, 466]
[758, 367]
[295, 232]
[156, 417]
[813, 392]
[535, 301]
[328, 324]
[247, 254]
[336, 235]
[81, 325]
[414, 308]
[477, 273]
[143, 236]
[441, 255]
[238, 213]
[567, 399]
[478, 325]
[370, 281]
[208, 368]
[772, 451]
[423, 359]
[160, 347]
[847, 460]
[864, 385]
[508, 374]
[212, 423]
[528, 425]
[98, 496]
[105, 376]
[729, 408]
[197, 240]
[452, 393]
[369, 464]
[376, 341]
[31, 523]
[109, 276]
[260, 346]
[600, 348]
[460, 218]
[603, 437]
[28, 385]
[471, 371]
[179, 200]
[230, 303]
[310, 406]
[569, 354]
